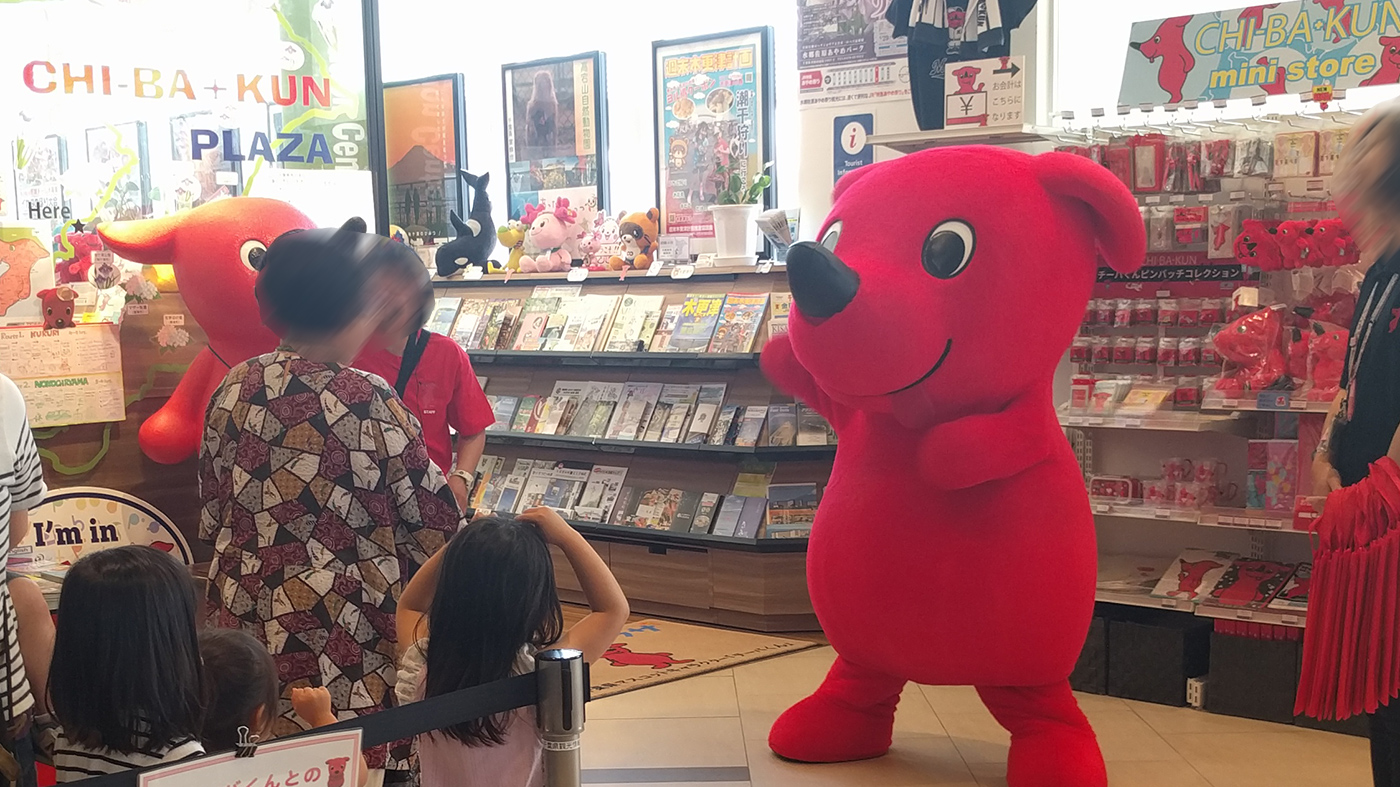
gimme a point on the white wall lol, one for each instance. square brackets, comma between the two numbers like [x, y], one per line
[475, 38]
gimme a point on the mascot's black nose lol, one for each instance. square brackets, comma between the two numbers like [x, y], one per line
[821, 283]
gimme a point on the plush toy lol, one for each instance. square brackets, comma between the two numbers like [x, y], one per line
[1334, 245]
[512, 236]
[476, 237]
[607, 231]
[1298, 347]
[1328, 356]
[1294, 245]
[1257, 245]
[74, 269]
[927, 327]
[58, 307]
[215, 249]
[1254, 343]
[549, 230]
[637, 234]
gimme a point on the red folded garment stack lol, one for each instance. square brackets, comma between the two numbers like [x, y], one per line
[1350, 662]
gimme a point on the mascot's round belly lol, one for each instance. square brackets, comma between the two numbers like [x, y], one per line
[978, 587]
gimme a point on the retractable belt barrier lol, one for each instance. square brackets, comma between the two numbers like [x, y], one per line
[558, 689]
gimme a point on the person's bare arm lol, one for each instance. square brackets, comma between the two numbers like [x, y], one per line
[410, 621]
[314, 707]
[19, 528]
[1324, 475]
[36, 632]
[469, 451]
[596, 632]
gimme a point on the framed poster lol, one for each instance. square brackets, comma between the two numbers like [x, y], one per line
[38, 167]
[211, 175]
[713, 109]
[556, 115]
[118, 153]
[425, 142]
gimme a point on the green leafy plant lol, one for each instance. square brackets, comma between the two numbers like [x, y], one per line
[735, 192]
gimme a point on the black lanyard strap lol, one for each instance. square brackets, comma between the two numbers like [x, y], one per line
[412, 354]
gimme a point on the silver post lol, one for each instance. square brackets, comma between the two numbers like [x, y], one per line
[560, 676]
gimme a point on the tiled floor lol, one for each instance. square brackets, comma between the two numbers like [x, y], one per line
[714, 727]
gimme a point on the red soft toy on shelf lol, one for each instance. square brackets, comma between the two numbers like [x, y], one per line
[215, 249]
[1254, 343]
[932, 349]
[1334, 245]
[1295, 243]
[1257, 245]
[1328, 357]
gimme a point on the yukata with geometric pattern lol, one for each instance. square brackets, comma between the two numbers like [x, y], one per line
[320, 501]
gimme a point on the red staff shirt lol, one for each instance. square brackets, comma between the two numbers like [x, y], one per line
[442, 392]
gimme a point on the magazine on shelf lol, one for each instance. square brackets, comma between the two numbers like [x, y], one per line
[601, 492]
[751, 517]
[656, 508]
[540, 416]
[725, 425]
[468, 320]
[526, 409]
[502, 325]
[504, 408]
[596, 411]
[554, 330]
[655, 422]
[685, 511]
[1294, 595]
[754, 478]
[1136, 574]
[560, 291]
[444, 315]
[632, 411]
[595, 317]
[751, 425]
[622, 509]
[739, 321]
[696, 327]
[647, 341]
[667, 423]
[536, 486]
[778, 318]
[664, 329]
[782, 424]
[564, 403]
[705, 513]
[727, 520]
[626, 333]
[534, 319]
[510, 495]
[812, 428]
[791, 510]
[566, 484]
[477, 341]
[1250, 584]
[1193, 575]
[707, 406]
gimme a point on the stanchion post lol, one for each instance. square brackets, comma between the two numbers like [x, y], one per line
[561, 677]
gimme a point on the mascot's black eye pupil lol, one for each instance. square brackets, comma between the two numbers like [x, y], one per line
[255, 258]
[945, 254]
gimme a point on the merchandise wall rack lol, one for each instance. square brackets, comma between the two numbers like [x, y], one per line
[683, 274]
[1159, 422]
[614, 359]
[913, 142]
[1273, 617]
[770, 453]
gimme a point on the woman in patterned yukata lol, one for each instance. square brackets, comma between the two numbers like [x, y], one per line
[318, 494]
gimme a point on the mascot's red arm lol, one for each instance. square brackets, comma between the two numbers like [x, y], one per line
[780, 364]
[1003, 444]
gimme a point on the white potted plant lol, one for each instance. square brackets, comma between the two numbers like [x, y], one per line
[736, 235]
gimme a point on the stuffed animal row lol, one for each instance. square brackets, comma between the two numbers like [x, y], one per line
[1269, 353]
[1294, 244]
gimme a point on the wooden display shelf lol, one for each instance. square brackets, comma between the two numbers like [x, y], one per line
[666, 538]
[1269, 616]
[713, 584]
[647, 360]
[1156, 422]
[773, 453]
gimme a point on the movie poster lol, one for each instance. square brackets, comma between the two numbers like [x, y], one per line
[711, 108]
[555, 132]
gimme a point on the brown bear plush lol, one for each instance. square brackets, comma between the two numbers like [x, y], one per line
[637, 233]
[58, 307]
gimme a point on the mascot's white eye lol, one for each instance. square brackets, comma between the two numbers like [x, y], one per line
[252, 252]
[832, 235]
[948, 249]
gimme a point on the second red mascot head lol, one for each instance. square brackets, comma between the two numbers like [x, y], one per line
[949, 282]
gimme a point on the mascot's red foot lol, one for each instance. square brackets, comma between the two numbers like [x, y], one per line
[1052, 744]
[851, 717]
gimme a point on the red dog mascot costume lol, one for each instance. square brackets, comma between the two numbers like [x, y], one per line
[955, 543]
[214, 249]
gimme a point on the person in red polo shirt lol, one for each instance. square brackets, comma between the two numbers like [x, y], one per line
[438, 383]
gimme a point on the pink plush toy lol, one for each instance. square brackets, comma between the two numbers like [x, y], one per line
[550, 230]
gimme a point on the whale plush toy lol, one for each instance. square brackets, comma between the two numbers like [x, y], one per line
[476, 237]
[932, 349]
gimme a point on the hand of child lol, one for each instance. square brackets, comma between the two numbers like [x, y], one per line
[551, 525]
[314, 706]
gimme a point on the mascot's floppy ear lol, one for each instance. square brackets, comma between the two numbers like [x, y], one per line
[1117, 223]
[146, 241]
[354, 224]
[847, 180]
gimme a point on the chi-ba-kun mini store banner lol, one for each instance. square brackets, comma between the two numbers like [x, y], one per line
[1263, 50]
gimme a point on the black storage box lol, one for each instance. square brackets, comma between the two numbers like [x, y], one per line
[1253, 678]
[1151, 654]
[1091, 672]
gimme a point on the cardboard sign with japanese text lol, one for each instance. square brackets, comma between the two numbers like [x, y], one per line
[330, 760]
